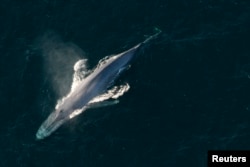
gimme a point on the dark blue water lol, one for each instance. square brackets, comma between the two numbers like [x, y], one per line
[190, 89]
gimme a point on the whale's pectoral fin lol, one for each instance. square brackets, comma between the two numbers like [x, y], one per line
[102, 104]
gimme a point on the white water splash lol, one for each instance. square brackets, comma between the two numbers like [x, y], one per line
[80, 72]
[113, 93]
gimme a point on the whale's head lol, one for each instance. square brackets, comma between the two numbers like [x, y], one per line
[52, 123]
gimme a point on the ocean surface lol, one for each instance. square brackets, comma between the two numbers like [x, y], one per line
[189, 90]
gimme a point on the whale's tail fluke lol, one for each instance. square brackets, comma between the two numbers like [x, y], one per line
[152, 37]
[147, 42]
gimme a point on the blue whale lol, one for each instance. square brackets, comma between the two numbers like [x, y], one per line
[90, 87]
